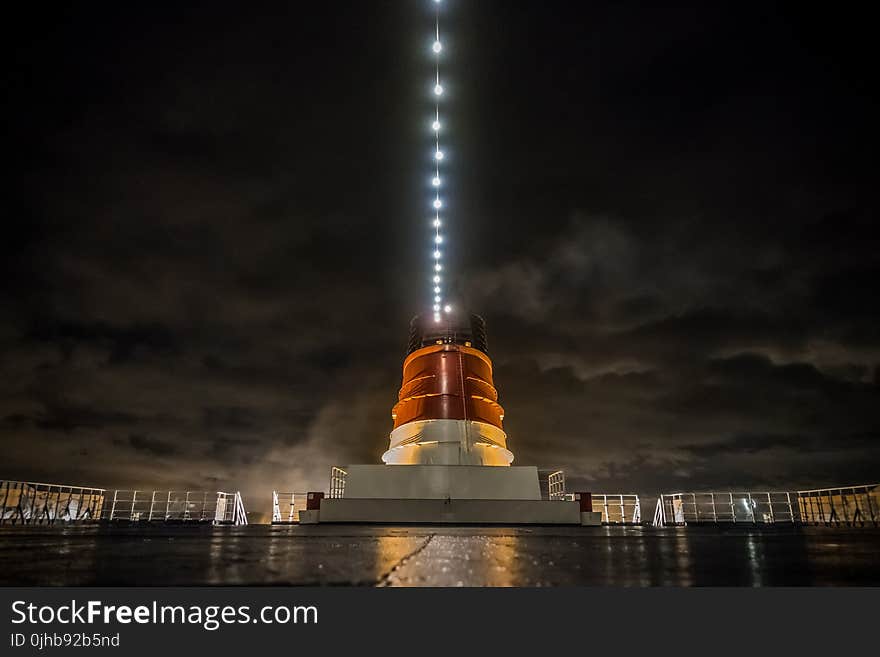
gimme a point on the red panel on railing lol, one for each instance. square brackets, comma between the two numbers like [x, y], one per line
[313, 501]
[586, 500]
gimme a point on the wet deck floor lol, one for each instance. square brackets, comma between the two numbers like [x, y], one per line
[438, 556]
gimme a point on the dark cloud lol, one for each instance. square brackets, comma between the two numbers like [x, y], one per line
[216, 240]
[754, 443]
[121, 342]
[229, 418]
[67, 418]
[152, 446]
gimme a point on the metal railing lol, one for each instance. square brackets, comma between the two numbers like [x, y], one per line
[230, 509]
[337, 482]
[286, 507]
[731, 506]
[28, 502]
[556, 485]
[850, 505]
[617, 508]
[218, 508]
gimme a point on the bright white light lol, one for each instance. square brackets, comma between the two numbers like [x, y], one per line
[447, 309]
[437, 46]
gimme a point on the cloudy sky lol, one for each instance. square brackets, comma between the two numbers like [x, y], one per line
[218, 232]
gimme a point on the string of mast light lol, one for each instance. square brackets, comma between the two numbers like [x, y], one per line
[437, 204]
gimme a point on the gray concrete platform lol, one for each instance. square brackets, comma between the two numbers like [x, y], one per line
[439, 556]
[442, 482]
[450, 512]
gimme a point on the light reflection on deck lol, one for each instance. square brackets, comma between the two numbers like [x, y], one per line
[439, 556]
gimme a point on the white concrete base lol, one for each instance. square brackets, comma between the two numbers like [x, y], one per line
[442, 482]
[454, 512]
[448, 442]
[309, 516]
[591, 518]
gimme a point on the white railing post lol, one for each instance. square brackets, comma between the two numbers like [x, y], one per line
[241, 514]
[660, 512]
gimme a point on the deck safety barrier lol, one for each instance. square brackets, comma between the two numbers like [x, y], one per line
[170, 506]
[337, 482]
[556, 485]
[855, 506]
[286, 507]
[28, 502]
[618, 508]
[850, 505]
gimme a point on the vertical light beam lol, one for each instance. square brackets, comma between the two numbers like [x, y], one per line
[437, 288]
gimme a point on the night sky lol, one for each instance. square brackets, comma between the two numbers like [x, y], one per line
[218, 230]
